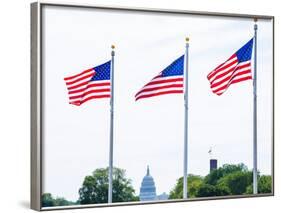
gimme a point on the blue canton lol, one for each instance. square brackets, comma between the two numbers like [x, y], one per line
[175, 68]
[102, 72]
[245, 52]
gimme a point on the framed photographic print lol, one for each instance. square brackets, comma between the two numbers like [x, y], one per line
[139, 106]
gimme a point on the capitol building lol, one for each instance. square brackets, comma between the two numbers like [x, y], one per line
[148, 189]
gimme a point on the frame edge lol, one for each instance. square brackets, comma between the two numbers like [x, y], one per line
[150, 9]
[35, 118]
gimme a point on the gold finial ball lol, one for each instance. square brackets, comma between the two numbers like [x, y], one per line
[255, 19]
[187, 39]
[112, 46]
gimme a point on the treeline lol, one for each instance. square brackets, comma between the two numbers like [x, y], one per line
[94, 190]
[226, 180]
[48, 200]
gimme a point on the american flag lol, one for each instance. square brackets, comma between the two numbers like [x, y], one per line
[90, 84]
[236, 69]
[169, 81]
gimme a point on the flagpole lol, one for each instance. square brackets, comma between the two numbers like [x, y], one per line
[110, 168]
[255, 172]
[185, 160]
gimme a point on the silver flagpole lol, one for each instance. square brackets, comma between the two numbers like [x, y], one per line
[185, 160]
[255, 172]
[110, 168]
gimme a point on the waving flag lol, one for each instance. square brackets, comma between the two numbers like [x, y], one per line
[169, 81]
[90, 84]
[236, 69]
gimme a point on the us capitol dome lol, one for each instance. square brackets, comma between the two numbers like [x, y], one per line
[148, 189]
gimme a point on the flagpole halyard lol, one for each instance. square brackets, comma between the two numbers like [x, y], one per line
[185, 159]
[255, 172]
[110, 168]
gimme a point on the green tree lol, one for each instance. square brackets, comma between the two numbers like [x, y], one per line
[194, 182]
[95, 187]
[264, 185]
[226, 169]
[208, 190]
[237, 182]
[48, 200]
[60, 201]
[226, 180]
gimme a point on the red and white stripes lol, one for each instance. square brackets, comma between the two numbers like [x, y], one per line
[81, 88]
[229, 72]
[160, 86]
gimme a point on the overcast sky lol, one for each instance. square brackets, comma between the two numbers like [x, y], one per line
[150, 131]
